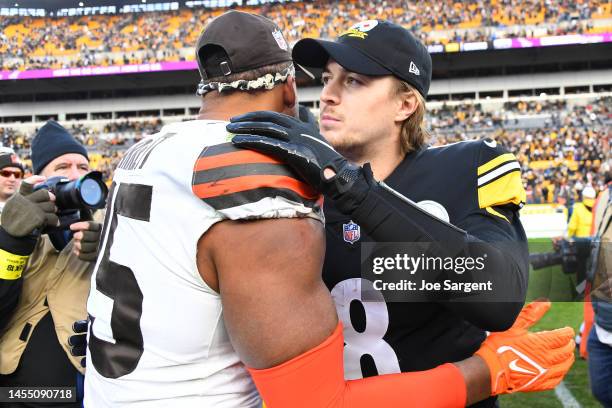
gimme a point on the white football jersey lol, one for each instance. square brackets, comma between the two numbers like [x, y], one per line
[157, 337]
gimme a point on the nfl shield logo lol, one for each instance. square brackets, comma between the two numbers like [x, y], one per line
[351, 232]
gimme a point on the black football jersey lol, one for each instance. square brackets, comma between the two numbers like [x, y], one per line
[476, 184]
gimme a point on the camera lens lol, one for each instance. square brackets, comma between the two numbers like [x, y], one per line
[91, 192]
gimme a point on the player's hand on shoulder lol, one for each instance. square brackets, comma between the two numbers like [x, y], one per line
[303, 148]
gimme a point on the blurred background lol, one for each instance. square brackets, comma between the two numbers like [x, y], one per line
[535, 75]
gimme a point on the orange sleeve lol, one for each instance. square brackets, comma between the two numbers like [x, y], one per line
[316, 379]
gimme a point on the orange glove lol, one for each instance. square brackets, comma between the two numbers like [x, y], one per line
[522, 361]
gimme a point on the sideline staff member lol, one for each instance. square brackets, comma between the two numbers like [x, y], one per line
[43, 290]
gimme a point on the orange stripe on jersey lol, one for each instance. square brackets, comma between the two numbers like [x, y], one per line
[244, 183]
[233, 158]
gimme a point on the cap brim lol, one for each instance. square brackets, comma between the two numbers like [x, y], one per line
[315, 53]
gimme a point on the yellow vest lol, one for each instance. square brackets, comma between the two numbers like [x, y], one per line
[52, 281]
[580, 222]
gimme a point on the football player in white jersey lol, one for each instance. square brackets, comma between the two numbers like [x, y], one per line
[211, 259]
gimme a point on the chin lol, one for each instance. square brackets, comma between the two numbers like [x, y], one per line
[333, 137]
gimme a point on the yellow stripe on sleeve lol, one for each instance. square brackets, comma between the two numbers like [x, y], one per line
[495, 162]
[505, 190]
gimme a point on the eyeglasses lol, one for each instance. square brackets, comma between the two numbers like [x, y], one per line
[9, 173]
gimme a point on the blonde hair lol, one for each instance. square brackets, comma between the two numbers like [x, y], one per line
[413, 134]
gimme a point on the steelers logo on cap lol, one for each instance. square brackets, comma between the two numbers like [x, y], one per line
[359, 30]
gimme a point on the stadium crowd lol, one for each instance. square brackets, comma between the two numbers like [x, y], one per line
[33, 43]
[560, 153]
[558, 158]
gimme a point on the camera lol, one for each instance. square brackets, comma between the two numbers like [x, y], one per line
[87, 192]
[572, 255]
[75, 201]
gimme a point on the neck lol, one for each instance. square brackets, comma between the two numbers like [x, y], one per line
[384, 157]
[217, 107]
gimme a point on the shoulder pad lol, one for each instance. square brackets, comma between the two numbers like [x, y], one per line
[226, 177]
[499, 176]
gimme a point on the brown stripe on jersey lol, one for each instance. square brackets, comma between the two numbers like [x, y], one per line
[252, 196]
[245, 183]
[219, 149]
[239, 170]
[228, 159]
[227, 177]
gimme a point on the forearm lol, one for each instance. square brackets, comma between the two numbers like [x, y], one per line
[477, 379]
[14, 253]
[316, 379]
[386, 217]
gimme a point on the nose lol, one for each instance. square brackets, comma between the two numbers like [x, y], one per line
[329, 94]
[75, 173]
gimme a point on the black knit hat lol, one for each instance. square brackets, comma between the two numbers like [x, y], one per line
[375, 48]
[8, 158]
[52, 141]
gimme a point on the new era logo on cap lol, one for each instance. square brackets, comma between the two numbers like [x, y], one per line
[413, 68]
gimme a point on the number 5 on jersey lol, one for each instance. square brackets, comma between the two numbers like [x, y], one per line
[115, 338]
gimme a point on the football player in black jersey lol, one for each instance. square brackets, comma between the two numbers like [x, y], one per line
[465, 197]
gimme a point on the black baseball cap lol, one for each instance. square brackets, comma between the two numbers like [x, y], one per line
[372, 47]
[246, 41]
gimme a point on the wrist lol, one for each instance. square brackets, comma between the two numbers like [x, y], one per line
[17, 245]
[477, 377]
[490, 359]
[14, 254]
[348, 188]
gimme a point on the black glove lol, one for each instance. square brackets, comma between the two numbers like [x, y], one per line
[301, 147]
[88, 240]
[27, 211]
[78, 341]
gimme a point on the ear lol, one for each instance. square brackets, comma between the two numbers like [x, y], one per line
[290, 95]
[407, 105]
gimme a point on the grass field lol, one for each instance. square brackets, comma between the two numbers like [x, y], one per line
[565, 311]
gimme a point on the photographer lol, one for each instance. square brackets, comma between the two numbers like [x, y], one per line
[44, 277]
[599, 342]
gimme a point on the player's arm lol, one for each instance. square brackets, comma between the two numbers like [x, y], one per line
[278, 313]
[495, 226]
[283, 324]
[388, 216]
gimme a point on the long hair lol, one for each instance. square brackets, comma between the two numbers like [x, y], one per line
[413, 134]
